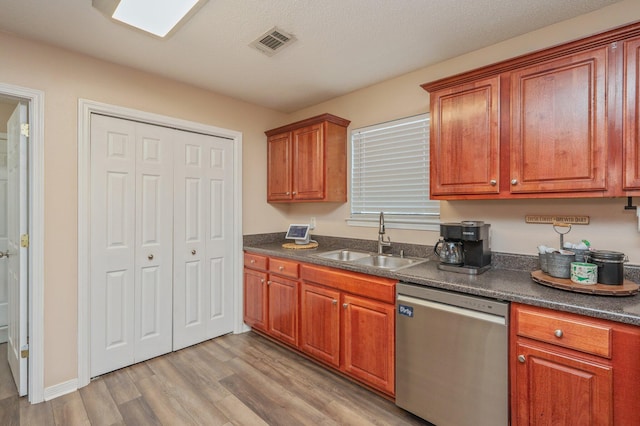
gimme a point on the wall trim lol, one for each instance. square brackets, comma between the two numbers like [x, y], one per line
[35, 100]
[85, 109]
[60, 389]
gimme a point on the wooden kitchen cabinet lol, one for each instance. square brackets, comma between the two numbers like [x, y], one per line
[255, 291]
[348, 322]
[631, 127]
[282, 294]
[369, 344]
[307, 161]
[320, 314]
[465, 139]
[570, 369]
[561, 122]
[271, 297]
[559, 125]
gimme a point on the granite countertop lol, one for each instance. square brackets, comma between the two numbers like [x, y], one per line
[509, 278]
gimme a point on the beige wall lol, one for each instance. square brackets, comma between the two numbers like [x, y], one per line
[65, 77]
[611, 227]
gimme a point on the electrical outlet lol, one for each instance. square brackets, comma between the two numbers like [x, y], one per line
[312, 223]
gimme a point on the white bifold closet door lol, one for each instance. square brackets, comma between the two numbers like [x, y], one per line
[162, 223]
[203, 240]
[131, 242]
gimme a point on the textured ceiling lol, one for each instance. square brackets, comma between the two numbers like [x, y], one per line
[342, 45]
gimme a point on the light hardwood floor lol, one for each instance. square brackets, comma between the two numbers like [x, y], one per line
[232, 380]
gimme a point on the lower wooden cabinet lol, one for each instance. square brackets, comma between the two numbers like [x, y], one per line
[567, 369]
[344, 320]
[320, 317]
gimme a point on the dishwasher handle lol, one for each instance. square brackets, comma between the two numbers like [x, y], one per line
[496, 319]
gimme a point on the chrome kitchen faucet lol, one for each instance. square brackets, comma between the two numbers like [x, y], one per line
[381, 242]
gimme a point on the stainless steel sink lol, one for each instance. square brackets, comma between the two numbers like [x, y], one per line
[389, 262]
[383, 261]
[344, 255]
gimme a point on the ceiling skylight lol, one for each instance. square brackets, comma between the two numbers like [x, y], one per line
[158, 17]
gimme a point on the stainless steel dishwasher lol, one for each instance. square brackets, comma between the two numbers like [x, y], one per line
[451, 357]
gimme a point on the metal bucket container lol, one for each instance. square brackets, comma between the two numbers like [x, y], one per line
[559, 263]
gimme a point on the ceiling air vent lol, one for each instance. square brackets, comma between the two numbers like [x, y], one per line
[273, 41]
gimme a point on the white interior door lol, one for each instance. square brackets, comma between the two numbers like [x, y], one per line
[131, 242]
[4, 237]
[17, 261]
[203, 232]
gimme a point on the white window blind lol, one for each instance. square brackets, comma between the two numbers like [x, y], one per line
[390, 173]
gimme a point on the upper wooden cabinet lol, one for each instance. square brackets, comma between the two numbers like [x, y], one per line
[631, 129]
[465, 139]
[307, 161]
[544, 125]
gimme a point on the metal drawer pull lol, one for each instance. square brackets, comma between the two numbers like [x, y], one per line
[193, 252]
[493, 182]
[281, 268]
[521, 358]
[262, 280]
[252, 261]
[514, 181]
[345, 305]
[334, 302]
[558, 333]
[150, 257]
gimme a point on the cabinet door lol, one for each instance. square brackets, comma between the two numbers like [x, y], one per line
[255, 299]
[556, 388]
[559, 125]
[279, 165]
[283, 309]
[368, 341]
[631, 117]
[308, 163]
[465, 139]
[320, 317]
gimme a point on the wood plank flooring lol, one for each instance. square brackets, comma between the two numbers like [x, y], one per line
[232, 380]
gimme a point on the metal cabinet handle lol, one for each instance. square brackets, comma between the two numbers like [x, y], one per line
[252, 261]
[514, 181]
[262, 280]
[280, 268]
[521, 359]
[334, 302]
[493, 182]
[288, 193]
[294, 192]
[193, 252]
[345, 305]
[558, 333]
[150, 257]
[268, 282]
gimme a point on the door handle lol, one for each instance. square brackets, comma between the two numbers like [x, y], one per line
[150, 257]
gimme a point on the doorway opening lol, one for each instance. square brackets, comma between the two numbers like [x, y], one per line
[21, 240]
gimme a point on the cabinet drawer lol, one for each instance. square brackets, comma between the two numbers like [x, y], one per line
[286, 268]
[255, 261]
[564, 330]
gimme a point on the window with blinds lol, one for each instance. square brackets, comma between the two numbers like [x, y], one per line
[390, 173]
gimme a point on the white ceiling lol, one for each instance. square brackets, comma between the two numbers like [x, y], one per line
[342, 45]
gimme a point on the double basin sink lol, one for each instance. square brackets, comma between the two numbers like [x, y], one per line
[382, 261]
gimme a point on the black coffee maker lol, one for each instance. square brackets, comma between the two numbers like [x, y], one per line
[474, 237]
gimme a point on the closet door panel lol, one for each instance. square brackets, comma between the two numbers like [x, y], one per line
[112, 243]
[203, 218]
[154, 240]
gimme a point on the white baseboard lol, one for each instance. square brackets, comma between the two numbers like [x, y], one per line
[60, 389]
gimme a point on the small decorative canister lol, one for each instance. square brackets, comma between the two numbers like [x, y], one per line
[584, 273]
[610, 265]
